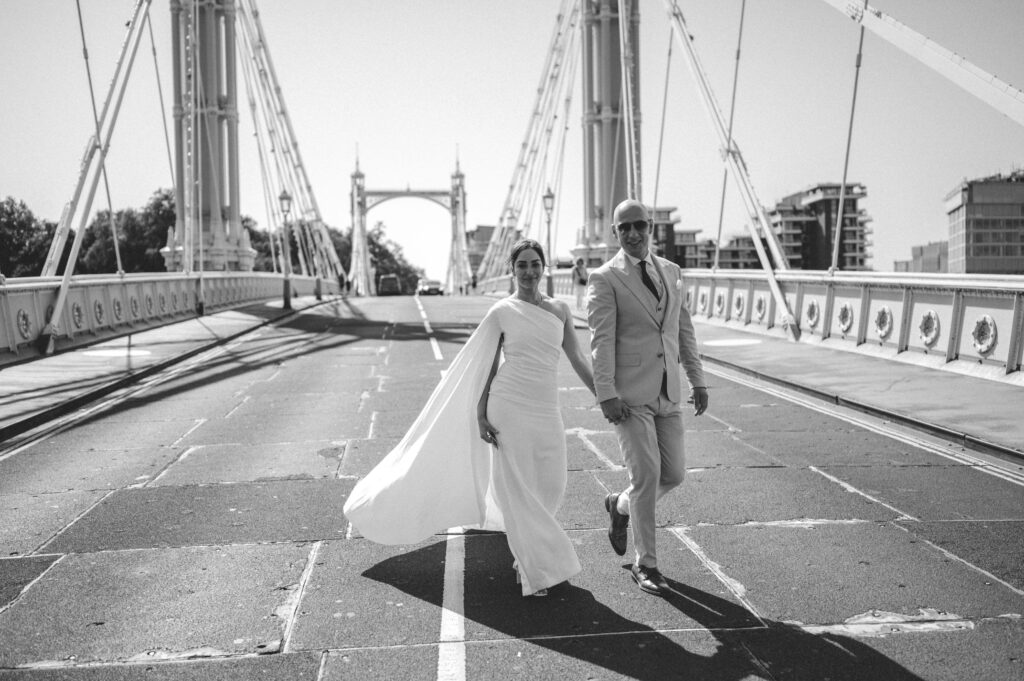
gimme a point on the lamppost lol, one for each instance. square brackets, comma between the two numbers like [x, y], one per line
[549, 204]
[286, 206]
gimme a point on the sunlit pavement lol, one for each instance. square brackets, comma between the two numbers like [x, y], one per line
[193, 529]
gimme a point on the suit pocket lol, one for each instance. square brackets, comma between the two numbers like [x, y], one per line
[630, 360]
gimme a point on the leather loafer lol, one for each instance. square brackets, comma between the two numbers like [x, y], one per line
[649, 579]
[617, 524]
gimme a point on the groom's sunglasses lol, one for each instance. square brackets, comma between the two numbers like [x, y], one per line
[638, 226]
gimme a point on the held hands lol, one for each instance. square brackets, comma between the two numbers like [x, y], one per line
[488, 433]
[615, 410]
[699, 400]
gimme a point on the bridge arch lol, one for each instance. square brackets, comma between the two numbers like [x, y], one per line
[362, 201]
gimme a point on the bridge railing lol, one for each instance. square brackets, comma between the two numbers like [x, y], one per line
[971, 324]
[967, 323]
[105, 306]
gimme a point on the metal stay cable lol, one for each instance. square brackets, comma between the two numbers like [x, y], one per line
[664, 109]
[96, 123]
[728, 143]
[837, 233]
[160, 94]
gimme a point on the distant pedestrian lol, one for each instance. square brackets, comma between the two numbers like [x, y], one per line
[473, 282]
[579, 282]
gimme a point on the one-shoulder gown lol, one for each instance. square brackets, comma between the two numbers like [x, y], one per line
[441, 474]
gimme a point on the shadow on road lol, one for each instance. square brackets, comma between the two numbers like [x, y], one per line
[730, 644]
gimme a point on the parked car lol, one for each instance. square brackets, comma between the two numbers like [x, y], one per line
[389, 285]
[429, 287]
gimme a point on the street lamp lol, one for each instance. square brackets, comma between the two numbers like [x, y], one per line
[286, 207]
[549, 204]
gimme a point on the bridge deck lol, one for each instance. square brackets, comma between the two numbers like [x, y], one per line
[193, 528]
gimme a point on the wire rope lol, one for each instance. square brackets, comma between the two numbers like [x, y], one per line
[96, 123]
[728, 143]
[160, 94]
[837, 233]
[664, 109]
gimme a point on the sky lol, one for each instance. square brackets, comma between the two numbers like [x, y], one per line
[412, 85]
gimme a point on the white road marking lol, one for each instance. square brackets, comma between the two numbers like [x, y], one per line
[292, 604]
[850, 488]
[430, 332]
[734, 586]
[582, 433]
[451, 653]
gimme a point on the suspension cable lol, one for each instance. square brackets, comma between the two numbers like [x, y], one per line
[96, 123]
[837, 233]
[728, 142]
[160, 94]
[664, 109]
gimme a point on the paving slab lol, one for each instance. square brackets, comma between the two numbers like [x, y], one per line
[151, 605]
[723, 449]
[994, 546]
[31, 520]
[206, 464]
[288, 510]
[361, 455]
[261, 430]
[384, 664]
[363, 594]
[938, 492]
[853, 447]
[829, 573]
[641, 656]
[17, 573]
[291, 667]
[731, 496]
[44, 470]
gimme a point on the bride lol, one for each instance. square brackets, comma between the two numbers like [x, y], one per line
[510, 474]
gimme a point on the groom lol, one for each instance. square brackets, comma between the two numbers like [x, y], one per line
[640, 333]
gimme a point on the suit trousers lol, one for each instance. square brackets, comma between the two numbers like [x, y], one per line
[651, 440]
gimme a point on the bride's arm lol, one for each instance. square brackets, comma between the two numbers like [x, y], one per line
[579, 361]
[488, 433]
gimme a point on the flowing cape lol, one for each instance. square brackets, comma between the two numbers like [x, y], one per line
[438, 476]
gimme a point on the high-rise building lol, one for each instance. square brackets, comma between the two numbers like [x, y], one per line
[804, 224]
[932, 257]
[986, 225]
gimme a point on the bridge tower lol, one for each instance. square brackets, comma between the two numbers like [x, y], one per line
[208, 233]
[611, 121]
[361, 270]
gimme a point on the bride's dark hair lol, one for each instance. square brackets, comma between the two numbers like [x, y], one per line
[526, 244]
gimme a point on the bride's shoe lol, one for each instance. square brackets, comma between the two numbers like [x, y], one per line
[540, 593]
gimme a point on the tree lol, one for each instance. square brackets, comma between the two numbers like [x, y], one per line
[17, 227]
[25, 240]
[390, 259]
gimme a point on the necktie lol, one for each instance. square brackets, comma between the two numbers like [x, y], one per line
[648, 282]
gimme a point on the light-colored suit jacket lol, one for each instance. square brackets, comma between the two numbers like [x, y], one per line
[635, 339]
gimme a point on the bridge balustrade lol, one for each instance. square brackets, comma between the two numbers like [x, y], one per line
[105, 306]
[967, 323]
[971, 324]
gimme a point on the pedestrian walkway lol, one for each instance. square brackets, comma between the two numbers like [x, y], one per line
[39, 391]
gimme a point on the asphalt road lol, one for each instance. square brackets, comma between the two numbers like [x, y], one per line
[192, 529]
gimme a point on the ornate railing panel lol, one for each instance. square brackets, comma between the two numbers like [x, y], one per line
[971, 324]
[105, 306]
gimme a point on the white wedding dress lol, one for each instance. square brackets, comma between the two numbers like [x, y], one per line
[443, 475]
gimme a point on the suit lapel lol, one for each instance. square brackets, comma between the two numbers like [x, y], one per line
[630, 276]
[668, 287]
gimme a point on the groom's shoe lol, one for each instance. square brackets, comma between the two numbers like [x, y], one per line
[617, 524]
[649, 579]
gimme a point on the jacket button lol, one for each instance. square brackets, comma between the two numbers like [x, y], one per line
[660, 355]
